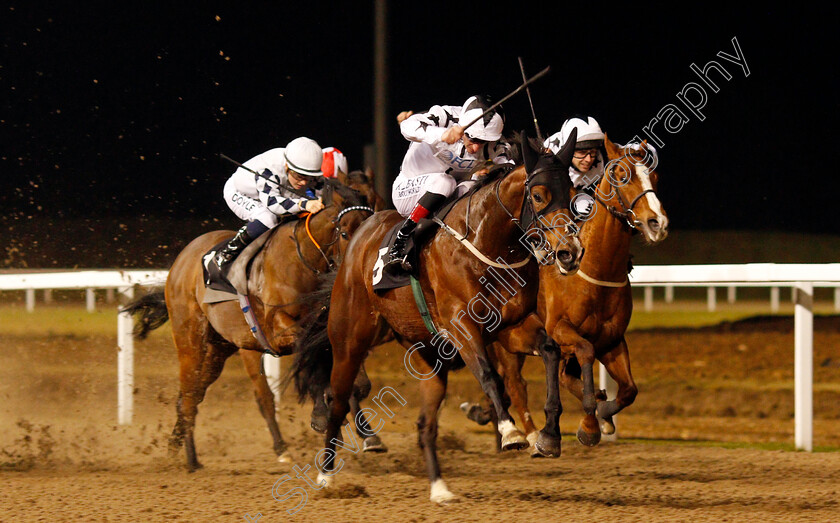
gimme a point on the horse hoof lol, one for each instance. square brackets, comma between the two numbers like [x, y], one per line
[514, 440]
[607, 426]
[374, 444]
[476, 413]
[441, 494]
[532, 437]
[589, 439]
[318, 424]
[194, 466]
[547, 446]
[589, 433]
[285, 457]
[324, 481]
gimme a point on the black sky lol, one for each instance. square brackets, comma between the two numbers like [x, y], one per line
[122, 109]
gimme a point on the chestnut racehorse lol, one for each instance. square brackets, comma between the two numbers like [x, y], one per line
[587, 314]
[207, 334]
[456, 292]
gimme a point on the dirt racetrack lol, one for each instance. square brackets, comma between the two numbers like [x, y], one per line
[64, 458]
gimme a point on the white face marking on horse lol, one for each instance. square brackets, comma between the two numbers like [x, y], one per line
[644, 176]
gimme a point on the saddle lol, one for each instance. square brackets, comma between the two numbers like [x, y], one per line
[423, 233]
[217, 287]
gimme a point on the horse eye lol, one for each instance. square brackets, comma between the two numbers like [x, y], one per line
[538, 198]
[344, 235]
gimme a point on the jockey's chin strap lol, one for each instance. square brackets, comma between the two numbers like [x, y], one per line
[338, 233]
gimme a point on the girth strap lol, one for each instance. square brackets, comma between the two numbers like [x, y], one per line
[420, 300]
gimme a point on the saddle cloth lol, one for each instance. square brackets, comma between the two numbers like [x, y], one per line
[217, 287]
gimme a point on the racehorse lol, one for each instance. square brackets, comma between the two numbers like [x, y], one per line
[587, 314]
[532, 197]
[289, 266]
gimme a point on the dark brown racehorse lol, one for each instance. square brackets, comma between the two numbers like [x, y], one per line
[455, 283]
[587, 314]
[207, 334]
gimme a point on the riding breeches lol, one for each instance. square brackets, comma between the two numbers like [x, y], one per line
[407, 190]
[248, 208]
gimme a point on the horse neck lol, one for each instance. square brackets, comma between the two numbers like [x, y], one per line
[607, 242]
[495, 232]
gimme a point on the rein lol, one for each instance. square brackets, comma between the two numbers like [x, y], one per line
[337, 234]
[627, 210]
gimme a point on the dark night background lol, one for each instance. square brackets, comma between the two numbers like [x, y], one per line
[111, 111]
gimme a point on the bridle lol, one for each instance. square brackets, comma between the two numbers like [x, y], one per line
[338, 232]
[552, 176]
[626, 214]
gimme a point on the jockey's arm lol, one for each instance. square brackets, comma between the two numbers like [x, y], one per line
[270, 195]
[429, 127]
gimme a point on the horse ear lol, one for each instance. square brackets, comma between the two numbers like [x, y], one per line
[529, 155]
[612, 149]
[565, 154]
[341, 176]
[369, 174]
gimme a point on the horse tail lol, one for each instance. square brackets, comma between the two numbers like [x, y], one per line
[312, 364]
[153, 313]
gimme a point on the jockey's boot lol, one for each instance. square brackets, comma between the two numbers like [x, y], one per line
[234, 247]
[397, 257]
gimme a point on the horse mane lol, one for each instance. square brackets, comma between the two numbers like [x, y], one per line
[351, 196]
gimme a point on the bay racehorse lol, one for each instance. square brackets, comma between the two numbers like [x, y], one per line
[456, 286]
[587, 314]
[289, 266]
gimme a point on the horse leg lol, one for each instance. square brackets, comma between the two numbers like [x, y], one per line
[475, 356]
[570, 380]
[361, 390]
[548, 443]
[432, 391]
[588, 433]
[196, 374]
[617, 363]
[265, 401]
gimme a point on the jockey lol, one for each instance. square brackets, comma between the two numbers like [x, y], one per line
[334, 161]
[285, 185]
[588, 161]
[438, 162]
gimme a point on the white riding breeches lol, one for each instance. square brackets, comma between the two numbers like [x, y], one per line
[248, 208]
[407, 190]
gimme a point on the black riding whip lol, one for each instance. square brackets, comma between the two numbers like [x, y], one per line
[234, 162]
[530, 101]
[497, 104]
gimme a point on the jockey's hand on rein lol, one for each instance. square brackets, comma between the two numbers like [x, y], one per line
[314, 206]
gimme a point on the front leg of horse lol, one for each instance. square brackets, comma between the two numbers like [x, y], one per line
[617, 363]
[548, 443]
[344, 372]
[475, 357]
[588, 433]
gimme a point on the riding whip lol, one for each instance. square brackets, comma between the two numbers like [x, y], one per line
[497, 104]
[234, 162]
[530, 101]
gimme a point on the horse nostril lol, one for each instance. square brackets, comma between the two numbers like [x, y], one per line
[653, 224]
[565, 256]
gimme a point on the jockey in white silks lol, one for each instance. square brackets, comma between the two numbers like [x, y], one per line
[439, 161]
[283, 184]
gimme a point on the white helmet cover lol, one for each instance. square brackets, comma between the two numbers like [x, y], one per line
[590, 134]
[304, 156]
[489, 128]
